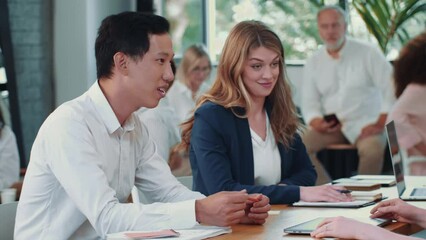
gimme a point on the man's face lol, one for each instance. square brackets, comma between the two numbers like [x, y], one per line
[148, 78]
[332, 29]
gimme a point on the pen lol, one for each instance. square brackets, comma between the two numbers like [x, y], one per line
[344, 191]
[254, 199]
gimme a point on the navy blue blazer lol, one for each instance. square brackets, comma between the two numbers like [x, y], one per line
[221, 155]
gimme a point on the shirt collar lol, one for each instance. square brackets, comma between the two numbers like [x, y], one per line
[105, 111]
[344, 49]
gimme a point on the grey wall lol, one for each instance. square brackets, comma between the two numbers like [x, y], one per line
[53, 43]
[75, 28]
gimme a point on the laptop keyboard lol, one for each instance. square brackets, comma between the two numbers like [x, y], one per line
[418, 192]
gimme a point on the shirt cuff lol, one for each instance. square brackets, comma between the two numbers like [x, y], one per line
[183, 214]
[309, 117]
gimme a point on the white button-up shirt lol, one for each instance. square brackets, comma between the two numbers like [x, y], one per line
[9, 158]
[180, 98]
[266, 157]
[357, 86]
[161, 124]
[83, 166]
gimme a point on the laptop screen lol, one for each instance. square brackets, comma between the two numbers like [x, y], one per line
[396, 157]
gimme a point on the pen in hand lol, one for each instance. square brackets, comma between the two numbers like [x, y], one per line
[345, 191]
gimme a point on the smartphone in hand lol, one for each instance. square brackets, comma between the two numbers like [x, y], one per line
[332, 118]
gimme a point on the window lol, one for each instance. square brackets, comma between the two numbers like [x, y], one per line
[209, 21]
[293, 21]
[187, 18]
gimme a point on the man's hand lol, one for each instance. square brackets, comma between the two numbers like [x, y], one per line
[257, 207]
[222, 209]
[175, 160]
[322, 126]
[375, 128]
[370, 130]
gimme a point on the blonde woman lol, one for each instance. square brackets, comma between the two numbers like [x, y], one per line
[193, 71]
[243, 134]
[9, 156]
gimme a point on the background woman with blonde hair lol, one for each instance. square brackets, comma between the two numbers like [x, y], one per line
[192, 72]
[243, 134]
[9, 156]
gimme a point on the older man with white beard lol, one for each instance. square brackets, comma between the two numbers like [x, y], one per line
[351, 79]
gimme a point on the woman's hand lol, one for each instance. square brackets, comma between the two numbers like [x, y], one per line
[341, 227]
[399, 210]
[324, 193]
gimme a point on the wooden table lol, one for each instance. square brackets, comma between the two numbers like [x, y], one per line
[283, 216]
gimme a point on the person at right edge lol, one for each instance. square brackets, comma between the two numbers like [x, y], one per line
[394, 209]
[409, 112]
[409, 77]
[351, 79]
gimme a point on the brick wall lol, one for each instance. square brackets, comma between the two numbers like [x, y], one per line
[31, 32]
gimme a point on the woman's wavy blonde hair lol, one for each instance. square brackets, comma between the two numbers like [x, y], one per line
[229, 91]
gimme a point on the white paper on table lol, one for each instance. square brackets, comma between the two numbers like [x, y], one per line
[194, 233]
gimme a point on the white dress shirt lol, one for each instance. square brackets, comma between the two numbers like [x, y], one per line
[161, 124]
[357, 86]
[266, 157]
[180, 98]
[82, 169]
[9, 158]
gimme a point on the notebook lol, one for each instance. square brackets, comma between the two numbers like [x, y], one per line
[309, 226]
[417, 194]
[383, 180]
[194, 233]
[360, 199]
[354, 185]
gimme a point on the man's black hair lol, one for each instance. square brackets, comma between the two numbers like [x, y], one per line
[126, 32]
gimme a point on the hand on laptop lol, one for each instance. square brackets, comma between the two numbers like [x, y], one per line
[399, 210]
[324, 193]
[341, 227]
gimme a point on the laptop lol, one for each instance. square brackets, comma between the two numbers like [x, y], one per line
[309, 226]
[417, 194]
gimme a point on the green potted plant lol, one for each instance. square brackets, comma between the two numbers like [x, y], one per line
[385, 18]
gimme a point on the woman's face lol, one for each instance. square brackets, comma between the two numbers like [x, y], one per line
[261, 72]
[198, 74]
